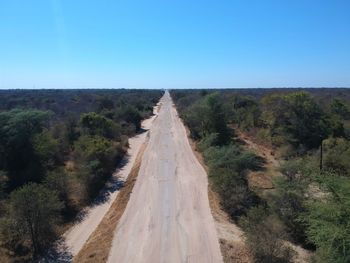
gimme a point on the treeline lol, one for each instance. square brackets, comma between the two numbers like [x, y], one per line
[57, 149]
[309, 205]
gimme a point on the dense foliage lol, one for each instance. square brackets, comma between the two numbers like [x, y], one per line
[309, 205]
[57, 149]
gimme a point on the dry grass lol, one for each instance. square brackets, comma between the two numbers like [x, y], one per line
[97, 248]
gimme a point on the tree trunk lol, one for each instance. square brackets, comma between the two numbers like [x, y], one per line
[321, 156]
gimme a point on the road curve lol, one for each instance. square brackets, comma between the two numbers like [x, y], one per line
[168, 218]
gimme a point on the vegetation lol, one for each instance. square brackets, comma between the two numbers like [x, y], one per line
[309, 132]
[33, 212]
[57, 150]
[265, 236]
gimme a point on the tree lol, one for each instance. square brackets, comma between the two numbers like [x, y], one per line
[243, 111]
[96, 157]
[340, 108]
[34, 210]
[95, 124]
[337, 155]
[57, 181]
[71, 133]
[206, 117]
[217, 119]
[131, 115]
[328, 220]
[46, 149]
[17, 155]
[297, 118]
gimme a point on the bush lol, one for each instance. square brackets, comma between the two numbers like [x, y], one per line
[206, 117]
[337, 155]
[96, 157]
[57, 181]
[233, 158]
[17, 155]
[295, 118]
[95, 124]
[235, 195]
[228, 166]
[46, 149]
[288, 202]
[328, 220]
[265, 236]
[130, 115]
[33, 213]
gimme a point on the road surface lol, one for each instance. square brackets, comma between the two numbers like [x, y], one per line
[168, 218]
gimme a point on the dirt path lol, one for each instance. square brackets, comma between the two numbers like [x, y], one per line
[168, 218]
[261, 179]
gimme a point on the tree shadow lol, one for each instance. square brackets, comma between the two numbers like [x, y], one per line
[258, 163]
[59, 253]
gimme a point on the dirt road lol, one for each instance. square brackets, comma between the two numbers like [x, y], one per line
[167, 218]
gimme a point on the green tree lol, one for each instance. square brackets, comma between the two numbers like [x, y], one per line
[34, 210]
[340, 108]
[57, 181]
[297, 118]
[17, 155]
[288, 203]
[328, 220]
[46, 149]
[95, 124]
[96, 157]
[337, 155]
[206, 117]
[243, 111]
[131, 115]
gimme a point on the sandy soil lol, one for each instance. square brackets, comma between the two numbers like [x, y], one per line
[74, 239]
[168, 218]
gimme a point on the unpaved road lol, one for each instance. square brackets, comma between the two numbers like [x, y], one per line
[75, 238]
[168, 218]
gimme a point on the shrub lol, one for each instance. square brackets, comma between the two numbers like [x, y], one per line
[328, 220]
[57, 181]
[228, 166]
[337, 155]
[33, 213]
[95, 124]
[206, 117]
[288, 202]
[265, 236]
[130, 115]
[96, 157]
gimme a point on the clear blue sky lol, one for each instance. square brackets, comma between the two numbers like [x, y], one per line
[174, 43]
